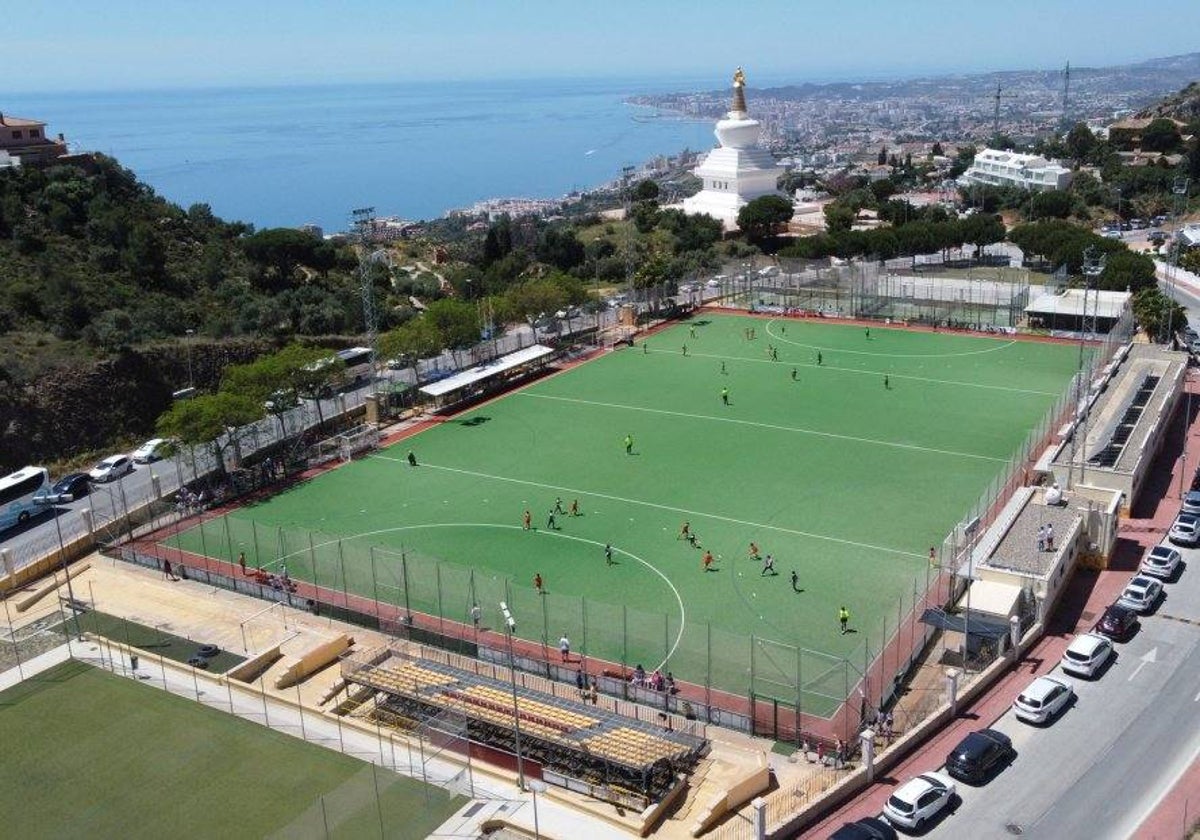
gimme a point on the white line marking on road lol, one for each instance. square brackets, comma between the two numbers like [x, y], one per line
[795, 429]
[657, 506]
[783, 363]
[1148, 657]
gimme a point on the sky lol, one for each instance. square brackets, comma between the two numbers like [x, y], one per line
[81, 45]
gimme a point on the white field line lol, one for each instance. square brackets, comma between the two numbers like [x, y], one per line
[785, 340]
[540, 533]
[808, 366]
[797, 430]
[691, 513]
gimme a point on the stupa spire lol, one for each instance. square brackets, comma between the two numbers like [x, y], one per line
[739, 91]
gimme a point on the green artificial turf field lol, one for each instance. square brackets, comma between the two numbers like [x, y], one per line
[841, 479]
[90, 754]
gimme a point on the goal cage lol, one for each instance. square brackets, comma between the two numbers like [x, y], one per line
[344, 446]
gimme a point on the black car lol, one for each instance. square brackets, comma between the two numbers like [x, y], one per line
[977, 755]
[1117, 623]
[66, 489]
[868, 828]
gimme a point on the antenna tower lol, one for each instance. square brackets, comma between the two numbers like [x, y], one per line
[1066, 103]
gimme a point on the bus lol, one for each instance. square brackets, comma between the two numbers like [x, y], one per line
[356, 367]
[358, 364]
[16, 495]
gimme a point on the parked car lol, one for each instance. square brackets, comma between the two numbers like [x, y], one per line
[1161, 561]
[1117, 623]
[111, 468]
[978, 754]
[915, 802]
[1186, 530]
[149, 451]
[1042, 699]
[1111, 234]
[1141, 593]
[1086, 654]
[1191, 502]
[868, 828]
[67, 489]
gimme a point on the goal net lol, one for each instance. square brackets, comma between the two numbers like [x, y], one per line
[344, 446]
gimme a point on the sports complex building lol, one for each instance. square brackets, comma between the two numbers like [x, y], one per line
[521, 542]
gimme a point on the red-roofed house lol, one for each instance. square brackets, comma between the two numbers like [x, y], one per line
[25, 141]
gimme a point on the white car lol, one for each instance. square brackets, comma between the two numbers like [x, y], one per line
[1161, 562]
[1043, 699]
[1141, 593]
[149, 451]
[111, 468]
[1086, 654]
[912, 804]
[1186, 530]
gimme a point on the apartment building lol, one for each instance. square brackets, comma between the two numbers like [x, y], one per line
[1011, 169]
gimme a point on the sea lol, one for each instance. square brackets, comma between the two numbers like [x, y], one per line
[286, 156]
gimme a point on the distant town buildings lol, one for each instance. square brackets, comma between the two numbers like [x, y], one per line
[1011, 169]
[23, 142]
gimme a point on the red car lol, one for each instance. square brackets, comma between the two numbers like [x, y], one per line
[1117, 623]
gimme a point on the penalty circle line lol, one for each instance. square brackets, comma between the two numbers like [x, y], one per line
[631, 556]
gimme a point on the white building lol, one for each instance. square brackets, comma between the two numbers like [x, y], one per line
[737, 171]
[1011, 169]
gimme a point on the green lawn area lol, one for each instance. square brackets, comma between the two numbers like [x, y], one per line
[90, 754]
[841, 479]
[152, 640]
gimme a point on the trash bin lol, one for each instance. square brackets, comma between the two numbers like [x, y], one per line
[133, 661]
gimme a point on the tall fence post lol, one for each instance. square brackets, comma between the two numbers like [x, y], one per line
[229, 539]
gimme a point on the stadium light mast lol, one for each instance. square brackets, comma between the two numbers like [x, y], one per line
[363, 221]
[510, 627]
[1093, 267]
[1180, 189]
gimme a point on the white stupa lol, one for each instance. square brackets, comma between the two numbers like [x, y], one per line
[737, 171]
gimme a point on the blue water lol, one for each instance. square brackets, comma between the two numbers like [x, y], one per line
[287, 156]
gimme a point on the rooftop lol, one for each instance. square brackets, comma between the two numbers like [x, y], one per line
[1099, 304]
[1017, 548]
[18, 122]
[1142, 381]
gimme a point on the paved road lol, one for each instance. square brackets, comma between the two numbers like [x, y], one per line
[1100, 767]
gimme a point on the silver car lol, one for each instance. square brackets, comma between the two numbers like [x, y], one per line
[1141, 593]
[1186, 530]
[111, 468]
[1161, 562]
[1191, 502]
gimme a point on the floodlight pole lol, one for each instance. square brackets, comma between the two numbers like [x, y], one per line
[62, 553]
[510, 626]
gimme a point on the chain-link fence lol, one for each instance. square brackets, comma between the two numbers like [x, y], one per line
[956, 290]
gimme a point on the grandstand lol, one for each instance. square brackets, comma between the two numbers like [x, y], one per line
[574, 745]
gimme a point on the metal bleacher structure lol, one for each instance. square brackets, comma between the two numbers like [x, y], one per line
[577, 746]
[1110, 453]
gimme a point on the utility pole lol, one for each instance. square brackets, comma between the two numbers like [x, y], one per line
[627, 184]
